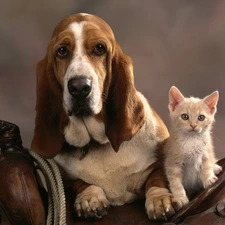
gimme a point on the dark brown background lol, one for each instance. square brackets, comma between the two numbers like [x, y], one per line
[175, 42]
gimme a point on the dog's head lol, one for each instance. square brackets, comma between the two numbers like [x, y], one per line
[85, 73]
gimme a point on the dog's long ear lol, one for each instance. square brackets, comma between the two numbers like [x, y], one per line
[124, 110]
[50, 116]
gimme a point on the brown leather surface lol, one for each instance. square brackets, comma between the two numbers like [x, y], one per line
[21, 202]
[209, 218]
[19, 194]
[20, 187]
[195, 213]
[20, 198]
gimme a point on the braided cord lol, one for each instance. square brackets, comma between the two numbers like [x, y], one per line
[56, 196]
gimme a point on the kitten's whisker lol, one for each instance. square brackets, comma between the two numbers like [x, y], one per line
[214, 136]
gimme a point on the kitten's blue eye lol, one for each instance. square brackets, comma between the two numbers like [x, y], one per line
[201, 117]
[185, 116]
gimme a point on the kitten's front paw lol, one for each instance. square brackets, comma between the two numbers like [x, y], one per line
[160, 204]
[217, 169]
[91, 203]
[209, 181]
[183, 200]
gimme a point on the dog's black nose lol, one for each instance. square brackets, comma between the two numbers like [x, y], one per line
[80, 87]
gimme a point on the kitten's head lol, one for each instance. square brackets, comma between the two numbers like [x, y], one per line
[192, 114]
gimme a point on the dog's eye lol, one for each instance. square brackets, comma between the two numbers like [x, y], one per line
[185, 116]
[99, 49]
[62, 52]
[201, 117]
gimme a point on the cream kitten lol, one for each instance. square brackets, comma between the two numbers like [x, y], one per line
[189, 153]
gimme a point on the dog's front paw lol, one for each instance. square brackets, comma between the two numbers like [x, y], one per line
[209, 181]
[91, 203]
[161, 205]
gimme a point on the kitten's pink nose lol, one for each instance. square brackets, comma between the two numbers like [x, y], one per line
[193, 126]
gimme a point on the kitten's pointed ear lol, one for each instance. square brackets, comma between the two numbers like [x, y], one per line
[211, 101]
[175, 98]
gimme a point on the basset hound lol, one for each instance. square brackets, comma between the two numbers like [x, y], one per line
[101, 131]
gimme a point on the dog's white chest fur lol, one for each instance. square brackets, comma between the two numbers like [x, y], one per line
[121, 175]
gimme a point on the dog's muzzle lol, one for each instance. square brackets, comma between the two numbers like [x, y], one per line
[80, 89]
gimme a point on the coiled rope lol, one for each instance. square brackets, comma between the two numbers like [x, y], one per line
[56, 196]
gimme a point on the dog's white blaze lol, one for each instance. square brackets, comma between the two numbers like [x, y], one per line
[80, 66]
[77, 29]
[79, 131]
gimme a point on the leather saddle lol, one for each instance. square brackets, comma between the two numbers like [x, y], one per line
[23, 199]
